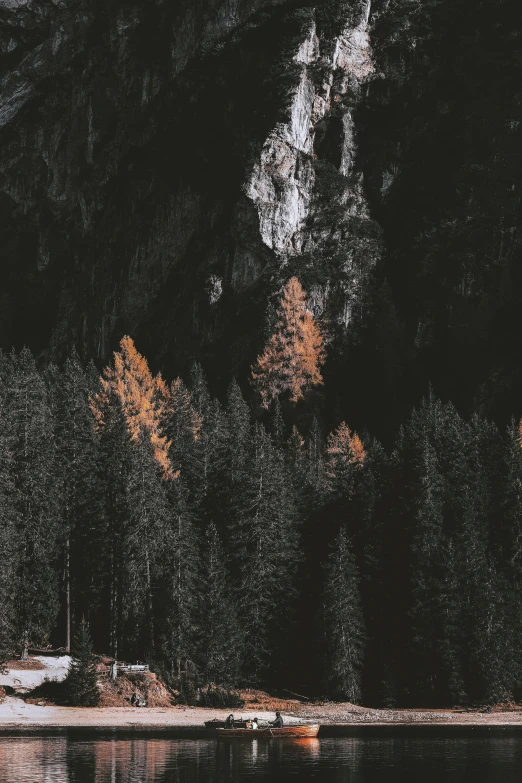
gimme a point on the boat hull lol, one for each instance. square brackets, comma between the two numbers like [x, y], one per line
[310, 730]
[212, 725]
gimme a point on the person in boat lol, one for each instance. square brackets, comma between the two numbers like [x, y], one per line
[278, 722]
[229, 723]
[255, 724]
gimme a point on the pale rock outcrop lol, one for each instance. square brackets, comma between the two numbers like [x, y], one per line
[282, 182]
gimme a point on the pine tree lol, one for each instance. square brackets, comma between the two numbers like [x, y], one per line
[130, 410]
[239, 433]
[315, 464]
[208, 470]
[9, 537]
[144, 533]
[296, 460]
[509, 544]
[180, 587]
[427, 574]
[344, 455]
[81, 505]
[266, 554]
[343, 624]
[81, 685]
[33, 452]
[182, 425]
[432, 451]
[199, 392]
[373, 533]
[115, 450]
[211, 492]
[488, 664]
[142, 398]
[294, 353]
[235, 454]
[219, 642]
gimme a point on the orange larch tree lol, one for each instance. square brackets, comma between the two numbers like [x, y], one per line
[143, 399]
[294, 354]
[344, 452]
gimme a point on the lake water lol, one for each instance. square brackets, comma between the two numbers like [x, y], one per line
[113, 760]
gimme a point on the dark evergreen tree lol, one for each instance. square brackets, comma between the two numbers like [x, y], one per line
[315, 473]
[266, 553]
[180, 591]
[219, 633]
[143, 546]
[81, 684]
[507, 541]
[487, 664]
[80, 501]
[239, 434]
[427, 574]
[115, 463]
[343, 624]
[374, 527]
[237, 442]
[9, 536]
[183, 428]
[37, 500]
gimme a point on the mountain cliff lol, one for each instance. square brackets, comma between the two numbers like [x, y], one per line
[165, 167]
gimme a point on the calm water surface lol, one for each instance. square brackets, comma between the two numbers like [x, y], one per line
[62, 760]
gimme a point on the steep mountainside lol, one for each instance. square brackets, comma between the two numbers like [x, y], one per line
[164, 167]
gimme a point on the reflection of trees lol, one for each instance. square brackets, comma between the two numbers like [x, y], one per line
[336, 760]
[33, 758]
[131, 760]
[165, 760]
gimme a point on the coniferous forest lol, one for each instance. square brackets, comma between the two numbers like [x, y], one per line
[236, 541]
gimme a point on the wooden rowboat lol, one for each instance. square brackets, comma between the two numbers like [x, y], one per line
[220, 724]
[309, 730]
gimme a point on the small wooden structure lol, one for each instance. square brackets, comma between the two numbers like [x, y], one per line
[132, 668]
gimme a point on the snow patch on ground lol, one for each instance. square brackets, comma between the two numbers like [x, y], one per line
[56, 668]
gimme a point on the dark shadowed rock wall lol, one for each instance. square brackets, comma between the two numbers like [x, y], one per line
[165, 166]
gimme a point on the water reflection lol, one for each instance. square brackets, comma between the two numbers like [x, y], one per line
[42, 760]
[141, 760]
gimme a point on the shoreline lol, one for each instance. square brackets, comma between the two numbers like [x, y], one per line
[18, 718]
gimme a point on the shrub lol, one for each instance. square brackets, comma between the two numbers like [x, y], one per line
[49, 690]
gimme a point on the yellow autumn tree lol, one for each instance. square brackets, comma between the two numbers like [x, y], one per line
[143, 399]
[345, 451]
[294, 354]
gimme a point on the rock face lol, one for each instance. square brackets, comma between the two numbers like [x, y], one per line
[165, 167]
[282, 182]
[142, 186]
